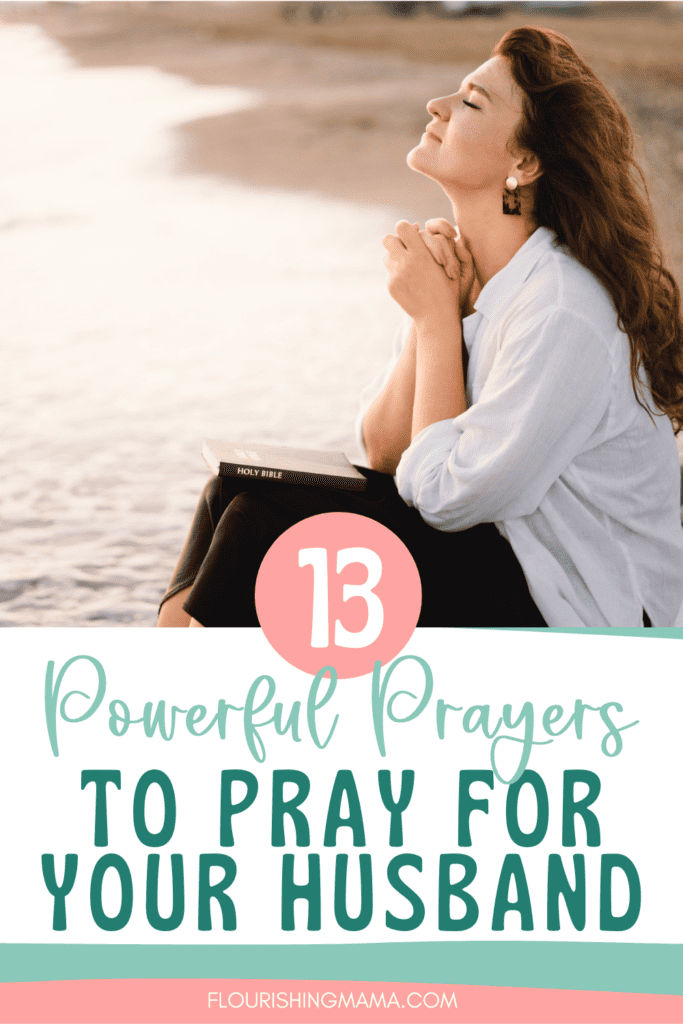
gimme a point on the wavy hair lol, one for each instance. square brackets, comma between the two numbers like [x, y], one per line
[593, 195]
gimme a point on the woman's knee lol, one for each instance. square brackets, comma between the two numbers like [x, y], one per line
[253, 509]
[211, 490]
[261, 506]
[257, 517]
[244, 503]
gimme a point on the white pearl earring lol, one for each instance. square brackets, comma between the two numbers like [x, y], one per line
[511, 183]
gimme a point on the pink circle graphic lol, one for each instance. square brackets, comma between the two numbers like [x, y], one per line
[338, 589]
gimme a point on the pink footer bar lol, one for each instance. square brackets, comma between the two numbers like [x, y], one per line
[192, 1001]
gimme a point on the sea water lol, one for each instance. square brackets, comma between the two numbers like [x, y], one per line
[143, 310]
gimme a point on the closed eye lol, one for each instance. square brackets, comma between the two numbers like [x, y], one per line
[468, 104]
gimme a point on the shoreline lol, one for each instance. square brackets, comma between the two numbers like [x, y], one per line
[344, 103]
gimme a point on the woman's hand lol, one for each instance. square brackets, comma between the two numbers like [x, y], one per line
[450, 250]
[417, 281]
[439, 236]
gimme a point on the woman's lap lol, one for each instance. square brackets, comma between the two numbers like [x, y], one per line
[470, 578]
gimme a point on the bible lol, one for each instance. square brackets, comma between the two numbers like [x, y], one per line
[279, 464]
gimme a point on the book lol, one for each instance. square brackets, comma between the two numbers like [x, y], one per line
[279, 464]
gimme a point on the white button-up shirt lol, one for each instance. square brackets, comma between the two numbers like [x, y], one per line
[554, 448]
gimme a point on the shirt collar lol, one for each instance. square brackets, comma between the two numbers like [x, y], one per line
[515, 272]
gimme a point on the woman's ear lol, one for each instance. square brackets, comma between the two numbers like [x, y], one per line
[527, 169]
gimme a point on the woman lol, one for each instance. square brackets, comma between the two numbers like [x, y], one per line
[547, 464]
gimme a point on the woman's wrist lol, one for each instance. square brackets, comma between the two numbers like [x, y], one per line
[439, 380]
[441, 328]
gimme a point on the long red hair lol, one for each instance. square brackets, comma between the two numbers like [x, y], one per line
[593, 195]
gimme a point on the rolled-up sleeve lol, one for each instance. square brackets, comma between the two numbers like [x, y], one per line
[547, 391]
[377, 385]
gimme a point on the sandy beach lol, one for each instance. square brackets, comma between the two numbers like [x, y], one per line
[191, 220]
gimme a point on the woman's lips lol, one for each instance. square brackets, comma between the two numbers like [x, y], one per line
[431, 134]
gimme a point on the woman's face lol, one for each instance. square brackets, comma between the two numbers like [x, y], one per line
[466, 142]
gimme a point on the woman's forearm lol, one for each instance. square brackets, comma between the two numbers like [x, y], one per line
[439, 379]
[387, 423]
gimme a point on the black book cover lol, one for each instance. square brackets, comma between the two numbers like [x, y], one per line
[282, 465]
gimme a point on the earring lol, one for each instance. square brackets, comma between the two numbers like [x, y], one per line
[511, 201]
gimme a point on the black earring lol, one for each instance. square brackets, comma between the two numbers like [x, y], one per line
[511, 200]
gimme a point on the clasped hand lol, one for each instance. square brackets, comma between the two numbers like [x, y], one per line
[430, 271]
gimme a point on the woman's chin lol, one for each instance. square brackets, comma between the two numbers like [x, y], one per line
[418, 160]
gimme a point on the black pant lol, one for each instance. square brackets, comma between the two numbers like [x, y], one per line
[469, 578]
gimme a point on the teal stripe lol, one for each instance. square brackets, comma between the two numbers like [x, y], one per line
[586, 966]
[667, 632]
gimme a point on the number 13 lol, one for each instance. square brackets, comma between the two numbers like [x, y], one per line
[317, 557]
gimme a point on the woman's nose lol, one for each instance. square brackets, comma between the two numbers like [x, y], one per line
[439, 107]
